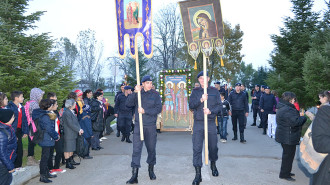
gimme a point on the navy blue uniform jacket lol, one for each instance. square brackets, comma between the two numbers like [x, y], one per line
[151, 104]
[25, 127]
[121, 109]
[8, 145]
[213, 103]
[267, 102]
[238, 101]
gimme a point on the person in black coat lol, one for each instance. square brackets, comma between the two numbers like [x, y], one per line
[288, 132]
[321, 139]
[151, 106]
[8, 145]
[267, 103]
[46, 120]
[124, 114]
[97, 117]
[255, 96]
[196, 103]
[240, 108]
[122, 86]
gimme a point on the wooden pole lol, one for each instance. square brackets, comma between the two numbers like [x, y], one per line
[139, 93]
[206, 141]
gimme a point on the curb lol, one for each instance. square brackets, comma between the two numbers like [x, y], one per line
[33, 171]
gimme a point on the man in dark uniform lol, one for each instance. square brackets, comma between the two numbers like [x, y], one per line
[122, 86]
[226, 91]
[196, 103]
[239, 105]
[124, 114]
[255, 104]
[267, 103]
[150, 108]
[262, 92]
[247, 97]
[217, 86]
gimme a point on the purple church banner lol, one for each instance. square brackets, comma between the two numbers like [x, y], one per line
[134, 18]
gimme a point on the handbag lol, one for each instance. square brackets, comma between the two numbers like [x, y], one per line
[309, 158]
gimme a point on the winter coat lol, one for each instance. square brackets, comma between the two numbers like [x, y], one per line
[289, 123]
[321, 143]
[70, 125]
[13, 107]
[8, 145]
[97, 116]
[86, 124]
[46, 121]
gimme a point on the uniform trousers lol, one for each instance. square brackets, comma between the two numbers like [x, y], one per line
[238, 115]
[45, 152]
[31, 146]
[264, 119]
[124, 124]
[150, 140]
[256, 111]
[95, 141]
[59, 152]
[198, 138]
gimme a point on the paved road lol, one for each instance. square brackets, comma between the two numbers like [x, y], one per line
[255, 163]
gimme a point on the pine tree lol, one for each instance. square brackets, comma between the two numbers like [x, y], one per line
[143, 65]
[26, 60]
[292, 44]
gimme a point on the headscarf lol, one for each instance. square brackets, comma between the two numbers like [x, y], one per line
[35, 95]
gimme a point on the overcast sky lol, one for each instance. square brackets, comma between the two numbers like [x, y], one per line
[258, 20]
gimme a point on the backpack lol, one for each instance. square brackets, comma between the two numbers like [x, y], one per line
[31, 124]
[38, 134]
[81, 146]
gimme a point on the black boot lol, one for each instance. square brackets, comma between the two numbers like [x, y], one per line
[151, 172]
[235, 136]
[254, 122]
[158, 131]
[73, 162]
[128, 140]
[123, 138]
[214, 169]
[44, 178]
[134, 178]
[68, 164]
[118, 134]
[198, 176]
[242, 138]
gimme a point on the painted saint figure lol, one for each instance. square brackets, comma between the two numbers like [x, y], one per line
[207, 26]
[219, 46]
[182, 102]
[207, 49]
[193, 50]
[136, 13]
[129, 13]
[169, 100]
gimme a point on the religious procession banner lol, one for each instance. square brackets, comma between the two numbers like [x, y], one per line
[203, 27]
[133, 18]
[175, 89]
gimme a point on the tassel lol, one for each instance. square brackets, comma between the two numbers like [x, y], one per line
[222, 62]
[195, 65]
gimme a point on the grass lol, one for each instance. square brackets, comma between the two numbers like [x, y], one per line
[37, 151]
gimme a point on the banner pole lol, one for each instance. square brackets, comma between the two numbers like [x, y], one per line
[206, 141]
[139, 93]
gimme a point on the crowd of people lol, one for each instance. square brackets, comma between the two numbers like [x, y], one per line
[87, 115]
[56, 131]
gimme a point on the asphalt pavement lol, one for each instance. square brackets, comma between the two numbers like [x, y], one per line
[256, 162]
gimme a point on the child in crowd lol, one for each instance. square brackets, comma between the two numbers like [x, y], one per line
[20, 124]
[223, 118]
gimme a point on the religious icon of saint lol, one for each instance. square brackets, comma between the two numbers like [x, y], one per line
[193, 50]
[219, 47]
[207, 49]
[169, 99]
[207, 26]
[182, 101]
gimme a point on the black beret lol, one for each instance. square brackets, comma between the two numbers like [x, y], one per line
[6, 115]
[202, 74]
[127, 87]
[123, 84]
[146, 78]
[238, 84]
[217, 83]
[257, 85]
[266, 87]
[262, 86]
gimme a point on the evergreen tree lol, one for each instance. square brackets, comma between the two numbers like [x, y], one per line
[144, 69]
[291, 45]
[260, 76]
[26, 60]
